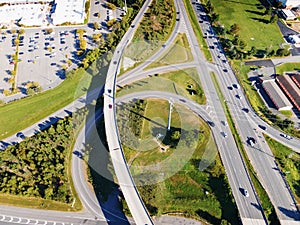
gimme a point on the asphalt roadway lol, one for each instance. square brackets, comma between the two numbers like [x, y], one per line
[260, 156]
[129, 190]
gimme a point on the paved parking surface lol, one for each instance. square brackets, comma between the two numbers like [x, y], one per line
[40, 64]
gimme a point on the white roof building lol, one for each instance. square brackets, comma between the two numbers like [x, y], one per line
[72, 11]
[26, 14]
[42, 12]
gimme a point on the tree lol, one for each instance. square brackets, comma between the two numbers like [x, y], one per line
[22, 31]
[252, 51]
[111, 6]
[273, 18]
[13, 72]
[234, 29]
[175, 135]
[69, 62]
[110, 22]
[83, 44]
[16, 41]
[268, 11]
[282, 52]
[96, 25]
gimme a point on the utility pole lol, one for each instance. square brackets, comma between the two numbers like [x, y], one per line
[170, 112]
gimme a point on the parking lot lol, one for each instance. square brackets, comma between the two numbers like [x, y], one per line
[43, 55]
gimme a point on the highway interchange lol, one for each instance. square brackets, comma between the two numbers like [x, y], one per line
[246, 123]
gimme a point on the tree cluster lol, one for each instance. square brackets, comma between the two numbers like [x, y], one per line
[37, 167]
[156, 23]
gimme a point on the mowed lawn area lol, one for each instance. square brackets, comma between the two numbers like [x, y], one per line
[249, 16]
[18, 115]
[184, 82]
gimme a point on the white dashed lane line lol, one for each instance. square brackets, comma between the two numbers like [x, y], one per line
[19, 220]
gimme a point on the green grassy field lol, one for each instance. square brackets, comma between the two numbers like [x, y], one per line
[197, 30]
[18, 115]
[199, 193]
[179, 52]
[289, 163]
[249, 16]
[175, 82]
[287, 67]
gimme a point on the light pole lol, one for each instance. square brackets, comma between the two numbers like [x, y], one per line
[170, 112]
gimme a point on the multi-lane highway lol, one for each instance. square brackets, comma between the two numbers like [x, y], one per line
[260, 154]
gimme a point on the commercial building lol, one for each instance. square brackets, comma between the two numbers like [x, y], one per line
[72, 11]
[41, 13]
[290, 89]
[275, 93]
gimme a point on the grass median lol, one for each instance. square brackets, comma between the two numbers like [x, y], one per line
[197, 30]
[267, 206]
[179, 52]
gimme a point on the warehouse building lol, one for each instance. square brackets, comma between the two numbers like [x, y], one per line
[290, 89]
[275, 94]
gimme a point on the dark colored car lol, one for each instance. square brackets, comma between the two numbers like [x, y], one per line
[262, 127]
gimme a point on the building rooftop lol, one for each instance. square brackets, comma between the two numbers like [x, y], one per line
[72, 11]
[276, 95]
[290, 88]
[296, 79]
[27, 14]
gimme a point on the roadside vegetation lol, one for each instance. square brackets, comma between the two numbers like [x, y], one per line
[289, 163]
[155, 28]
[179, 52]
[202, 194]
[37, 170]
[265, 201]
[184, 82]
[196, 28]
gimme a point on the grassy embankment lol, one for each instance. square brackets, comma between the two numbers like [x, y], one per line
[179, 52]
[263, 196]
[196, 28]
[200, 194]
[18, 115]
[184, 82]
